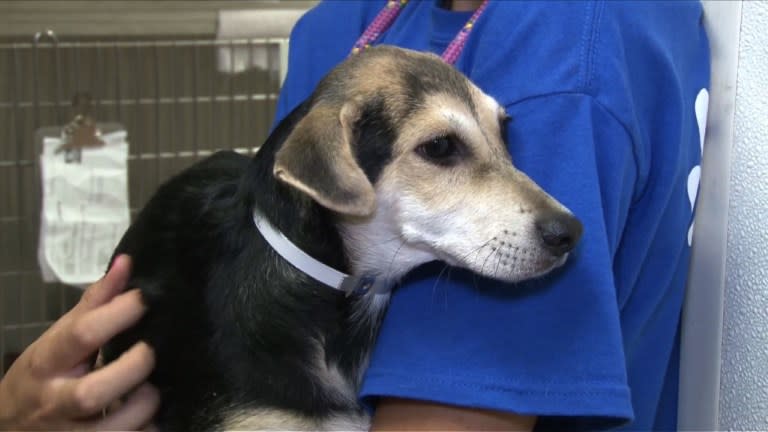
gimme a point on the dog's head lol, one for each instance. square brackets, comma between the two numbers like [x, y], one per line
[411, 156]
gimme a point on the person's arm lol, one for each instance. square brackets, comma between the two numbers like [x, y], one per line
[51, 385]
[407, 414]
[551, 348]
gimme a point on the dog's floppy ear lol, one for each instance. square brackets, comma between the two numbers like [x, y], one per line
[317, 159]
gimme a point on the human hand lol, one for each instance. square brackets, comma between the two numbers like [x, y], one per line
[51, 385]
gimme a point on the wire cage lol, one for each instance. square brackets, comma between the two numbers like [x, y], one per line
[177, 102]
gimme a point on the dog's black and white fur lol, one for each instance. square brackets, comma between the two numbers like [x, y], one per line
[368, 176]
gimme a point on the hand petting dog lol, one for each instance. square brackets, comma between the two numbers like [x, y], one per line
[51, 386]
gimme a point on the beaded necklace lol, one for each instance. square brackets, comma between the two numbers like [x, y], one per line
[389, 14]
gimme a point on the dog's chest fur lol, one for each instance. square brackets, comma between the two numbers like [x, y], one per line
[242, 338]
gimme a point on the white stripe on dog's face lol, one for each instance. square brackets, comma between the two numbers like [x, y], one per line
[450, 192]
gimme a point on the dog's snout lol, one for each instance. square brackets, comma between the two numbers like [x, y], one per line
[559, 232]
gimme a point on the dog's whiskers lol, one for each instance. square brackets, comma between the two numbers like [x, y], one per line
[482, 268]
[496, 270]
[477, 249]
[392, 261]
[450, 268]
[395, 238]
[437, 281]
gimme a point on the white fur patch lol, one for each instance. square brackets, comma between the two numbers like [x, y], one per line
[273, 419]
[376, 246]
[335, 384]
[466, 125]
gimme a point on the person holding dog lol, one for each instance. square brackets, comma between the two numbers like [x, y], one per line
[604, 99]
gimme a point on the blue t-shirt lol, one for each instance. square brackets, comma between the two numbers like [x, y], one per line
[602, 95]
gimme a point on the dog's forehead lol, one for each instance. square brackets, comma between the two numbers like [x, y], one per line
[405, 76]
[425, 75]
[402, 79]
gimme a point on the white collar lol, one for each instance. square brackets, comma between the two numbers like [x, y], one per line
[313, 268]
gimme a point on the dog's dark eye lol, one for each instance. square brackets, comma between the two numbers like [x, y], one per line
[442, 150]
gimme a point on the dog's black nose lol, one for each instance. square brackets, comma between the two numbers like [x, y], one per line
[559, 232]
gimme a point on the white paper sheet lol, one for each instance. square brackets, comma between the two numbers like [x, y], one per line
[85, 210]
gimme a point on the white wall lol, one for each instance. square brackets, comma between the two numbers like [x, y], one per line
[702, 321]
[744, 368]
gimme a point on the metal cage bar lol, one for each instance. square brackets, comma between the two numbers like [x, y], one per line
[178, 102]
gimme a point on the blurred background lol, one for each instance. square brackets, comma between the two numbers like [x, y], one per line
[183, 78]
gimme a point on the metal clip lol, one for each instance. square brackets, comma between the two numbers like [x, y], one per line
[81, 132]
[48, 34]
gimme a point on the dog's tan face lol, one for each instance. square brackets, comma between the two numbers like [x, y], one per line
[411, 155]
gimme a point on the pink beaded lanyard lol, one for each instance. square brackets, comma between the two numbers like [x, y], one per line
[387, 16]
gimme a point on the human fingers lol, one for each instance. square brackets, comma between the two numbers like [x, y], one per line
[43, 356]
[77, 337]
[113, 283]
[135, 412]
[88, 395]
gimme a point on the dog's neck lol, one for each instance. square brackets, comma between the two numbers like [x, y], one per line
[305, 223]
[314, 230]
[344, 244]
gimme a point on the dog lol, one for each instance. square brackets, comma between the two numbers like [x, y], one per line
[395, 160]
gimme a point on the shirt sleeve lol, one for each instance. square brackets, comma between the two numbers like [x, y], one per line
[551, 347]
